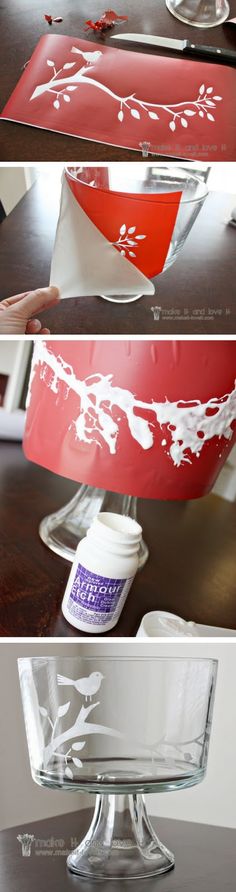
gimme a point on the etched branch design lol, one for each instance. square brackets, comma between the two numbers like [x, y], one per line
[124, 243]
[166, 751]
[87, 687]
[169, 751]
[61, 86]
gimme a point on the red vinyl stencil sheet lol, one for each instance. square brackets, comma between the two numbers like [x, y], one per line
[181, 108]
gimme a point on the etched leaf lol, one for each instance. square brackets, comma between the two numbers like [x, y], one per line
[131, 254]
[123, 229]
[123, 253]
[135, 113]
[184, 122]
[131, 230]
[66, 98]
[78, 763]
[209, 89]
[189, 112]
[217, 98]
[78, 745]
[131, 243]
[209, 102]
[63, 709]
[210, 117]
[56, 104]
[172, 126]
[69, 65]
[201, 114]
[121, 115]
[140, 236]
[50, 63]
[68, 772]
[43, 711]
[202, 89]
[70, 89]
[153, 115]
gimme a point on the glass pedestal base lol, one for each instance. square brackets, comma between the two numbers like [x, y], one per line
[121, 299]
[200, 13]
[63, 530]
[121, 842]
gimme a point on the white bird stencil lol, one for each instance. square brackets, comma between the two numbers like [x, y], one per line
[89, 57]
[86, 686]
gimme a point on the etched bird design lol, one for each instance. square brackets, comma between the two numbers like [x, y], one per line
[86, 686]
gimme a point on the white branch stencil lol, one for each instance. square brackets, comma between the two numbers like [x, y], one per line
[61, 86]
[128, 240]
[190, 424]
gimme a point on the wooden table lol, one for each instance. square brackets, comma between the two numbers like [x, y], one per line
[204, 857]
[191, 569]
[22, 25]
[196, 295]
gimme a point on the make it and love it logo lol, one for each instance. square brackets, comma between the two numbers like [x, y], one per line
[31, 845]
[26, 840]
[156, 313]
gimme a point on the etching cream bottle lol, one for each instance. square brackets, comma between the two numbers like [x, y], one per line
[102, 573]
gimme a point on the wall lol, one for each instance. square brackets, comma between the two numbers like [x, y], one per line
[14, 182]
[8, 352]
[211, 802]
[21, 800]
[222, 177]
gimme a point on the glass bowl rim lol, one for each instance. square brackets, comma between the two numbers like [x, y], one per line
[196, 200]
[116, 658]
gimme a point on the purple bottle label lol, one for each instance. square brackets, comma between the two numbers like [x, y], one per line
[96, 599]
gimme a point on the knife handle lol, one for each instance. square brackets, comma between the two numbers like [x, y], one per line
[212, 52]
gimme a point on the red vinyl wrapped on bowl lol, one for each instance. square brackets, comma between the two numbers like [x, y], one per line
[155, 419]
[154, 215]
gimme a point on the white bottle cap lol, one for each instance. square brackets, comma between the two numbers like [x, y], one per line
[160, 624]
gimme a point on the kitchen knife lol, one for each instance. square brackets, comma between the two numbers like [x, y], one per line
[180, 46]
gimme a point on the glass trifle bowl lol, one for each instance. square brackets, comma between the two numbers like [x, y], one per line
[118, 727]
[144, 212]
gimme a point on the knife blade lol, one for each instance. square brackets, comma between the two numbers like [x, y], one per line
[179, 46]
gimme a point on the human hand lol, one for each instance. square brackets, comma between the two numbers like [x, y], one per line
[16, 311]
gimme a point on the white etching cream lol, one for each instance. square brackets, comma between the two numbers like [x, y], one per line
[184, 419]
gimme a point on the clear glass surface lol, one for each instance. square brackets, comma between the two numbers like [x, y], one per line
[138, 179]
[63, 530]
[121, 842]
[88, 729]
[201, 13]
